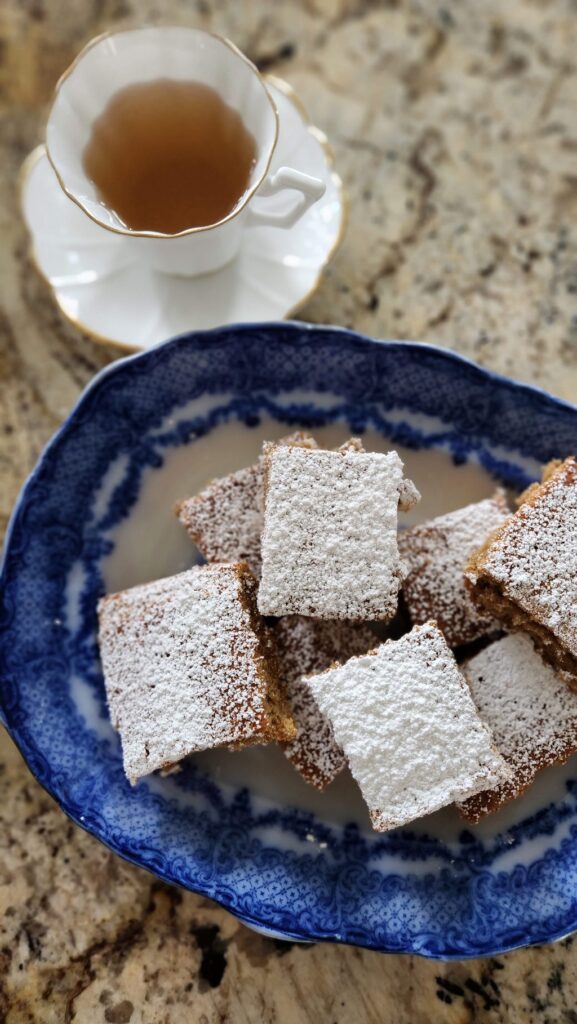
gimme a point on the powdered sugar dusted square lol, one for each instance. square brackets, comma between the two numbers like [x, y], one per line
[526, 574]
[436, 553]
[225, 519]
[305, 646]
[530, 710]
[185, 668]
[408, 726]
[329, 544]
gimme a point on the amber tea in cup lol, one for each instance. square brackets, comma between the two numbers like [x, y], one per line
[169, 155]
[166, 137]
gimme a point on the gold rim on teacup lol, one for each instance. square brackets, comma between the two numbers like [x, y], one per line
[120, 230]
[123, 347]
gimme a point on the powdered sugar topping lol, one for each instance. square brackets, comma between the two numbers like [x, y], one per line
[436, 553]
[306, 646]
[408, 495]
[225, 519]
[183, 667]
[329, 545]
[529, 708]
[409, 728]
[534, 557]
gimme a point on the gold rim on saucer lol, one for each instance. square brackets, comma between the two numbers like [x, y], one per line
[317, 133]
[290, 94]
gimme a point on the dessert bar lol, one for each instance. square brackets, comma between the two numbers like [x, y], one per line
[526, 573]
[306, 646]
[186, 669]
[530, 711]
[225, 519]
[405, 719]
[436, 553]
[329, 543]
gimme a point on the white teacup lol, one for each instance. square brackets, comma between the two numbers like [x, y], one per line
[112, 62]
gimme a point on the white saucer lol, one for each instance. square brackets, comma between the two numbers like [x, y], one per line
[121, 302]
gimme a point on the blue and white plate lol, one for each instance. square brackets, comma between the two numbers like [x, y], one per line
[241, 827]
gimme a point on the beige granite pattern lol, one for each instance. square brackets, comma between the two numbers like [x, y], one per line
[454, 127]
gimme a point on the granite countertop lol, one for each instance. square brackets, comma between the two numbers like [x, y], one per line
[454, 128]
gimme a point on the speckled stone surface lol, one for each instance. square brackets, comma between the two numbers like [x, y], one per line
[454, 128]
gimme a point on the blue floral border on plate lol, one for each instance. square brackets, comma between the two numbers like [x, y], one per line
[324, 883]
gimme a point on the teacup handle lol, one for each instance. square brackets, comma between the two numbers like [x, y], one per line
[310, 188]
